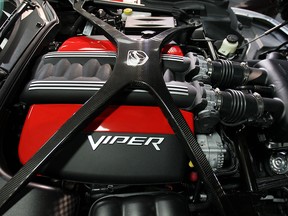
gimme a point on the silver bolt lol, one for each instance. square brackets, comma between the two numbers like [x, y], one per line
[279, 163]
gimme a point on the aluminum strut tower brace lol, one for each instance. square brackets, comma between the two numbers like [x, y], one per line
[138, 66]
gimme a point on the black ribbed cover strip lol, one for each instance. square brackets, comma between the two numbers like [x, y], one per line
[140, 205]
[139, 75]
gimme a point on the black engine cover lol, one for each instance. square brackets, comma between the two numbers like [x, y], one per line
[141, 205]
[121, 158]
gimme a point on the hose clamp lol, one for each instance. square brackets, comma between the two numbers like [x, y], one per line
[246, 72]
[260, 104]
[218, 98]
[209, 67]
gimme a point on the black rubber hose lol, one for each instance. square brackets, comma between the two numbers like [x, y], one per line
[272, 182]
[234, 165]
[237, 106]
[275, 106]
[231, 74]
[246, 161]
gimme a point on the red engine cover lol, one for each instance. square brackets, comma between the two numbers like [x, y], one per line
[84, 43]
[44, 120]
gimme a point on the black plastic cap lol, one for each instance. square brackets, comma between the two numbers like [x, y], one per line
[232, 38]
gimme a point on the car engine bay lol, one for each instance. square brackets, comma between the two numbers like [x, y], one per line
[128, 157]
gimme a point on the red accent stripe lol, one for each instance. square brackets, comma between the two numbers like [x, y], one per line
[43, 121]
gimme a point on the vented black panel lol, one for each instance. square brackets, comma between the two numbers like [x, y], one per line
[74, 78]
[152, 205]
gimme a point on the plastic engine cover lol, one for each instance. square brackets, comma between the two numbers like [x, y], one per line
[125, 144]
[141, 205]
